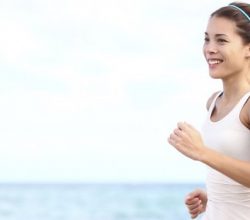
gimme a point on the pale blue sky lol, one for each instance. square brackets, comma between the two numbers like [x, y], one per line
[90, 90]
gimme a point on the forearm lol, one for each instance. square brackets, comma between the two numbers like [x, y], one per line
[235, 169]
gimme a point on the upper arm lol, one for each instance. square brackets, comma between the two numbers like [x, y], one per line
[211, 98]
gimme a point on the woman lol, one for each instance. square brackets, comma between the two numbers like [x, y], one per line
[224, 145]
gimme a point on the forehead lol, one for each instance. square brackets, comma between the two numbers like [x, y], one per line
[220, 25]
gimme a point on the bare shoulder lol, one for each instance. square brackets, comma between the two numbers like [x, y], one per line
[211, 98]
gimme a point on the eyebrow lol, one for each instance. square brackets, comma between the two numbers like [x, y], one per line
[217, 35]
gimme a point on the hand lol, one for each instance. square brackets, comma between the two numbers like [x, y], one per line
[187, 140]
[196, 202]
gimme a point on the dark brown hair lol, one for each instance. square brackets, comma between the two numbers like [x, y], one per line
[235, 15]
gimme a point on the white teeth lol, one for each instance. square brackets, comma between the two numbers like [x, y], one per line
[214, 61]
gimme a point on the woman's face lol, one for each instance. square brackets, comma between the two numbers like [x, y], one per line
[223, 48]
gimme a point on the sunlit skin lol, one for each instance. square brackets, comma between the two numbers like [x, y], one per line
[228, 59]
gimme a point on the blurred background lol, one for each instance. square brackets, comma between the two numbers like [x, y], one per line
[89, 92]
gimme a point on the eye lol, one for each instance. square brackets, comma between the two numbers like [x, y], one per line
[221, 40]
[206, 39]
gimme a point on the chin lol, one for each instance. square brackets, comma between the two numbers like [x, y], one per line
[215, 75]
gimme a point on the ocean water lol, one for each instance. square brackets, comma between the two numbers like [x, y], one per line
[94, 201]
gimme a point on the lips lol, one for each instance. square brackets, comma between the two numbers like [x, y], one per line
[214, 61]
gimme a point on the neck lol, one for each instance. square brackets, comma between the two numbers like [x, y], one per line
[233, 89]
[237, 84]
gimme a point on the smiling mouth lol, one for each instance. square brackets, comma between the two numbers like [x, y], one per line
[214, 61]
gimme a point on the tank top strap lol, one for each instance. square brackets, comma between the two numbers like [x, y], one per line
[211, 107]
[242, 101]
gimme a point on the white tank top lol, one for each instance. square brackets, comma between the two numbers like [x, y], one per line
[227, 199]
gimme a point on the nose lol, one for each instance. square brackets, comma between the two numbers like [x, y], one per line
[210, 48]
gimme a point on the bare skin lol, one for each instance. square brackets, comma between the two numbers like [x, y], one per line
[233, 68]
[196, 202]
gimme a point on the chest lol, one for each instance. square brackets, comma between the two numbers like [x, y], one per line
[229, 138]
[219, 112]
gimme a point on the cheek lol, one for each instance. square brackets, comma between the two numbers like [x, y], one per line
[236, 58]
